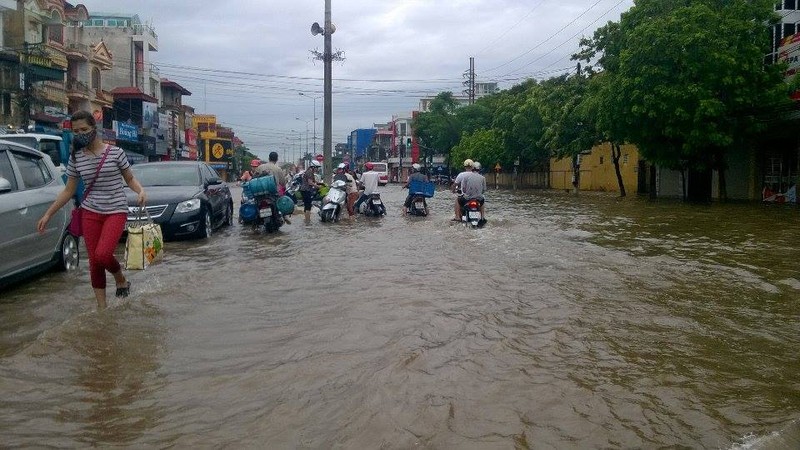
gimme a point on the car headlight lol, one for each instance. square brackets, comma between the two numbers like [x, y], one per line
[188, 206]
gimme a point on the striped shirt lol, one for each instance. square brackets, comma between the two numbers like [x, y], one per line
[107, 195]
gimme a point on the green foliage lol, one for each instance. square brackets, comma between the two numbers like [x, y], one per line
[683, 78]
[482, 145]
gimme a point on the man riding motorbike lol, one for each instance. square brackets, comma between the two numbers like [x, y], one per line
[472, 186]
[369, 181]
[416, 175]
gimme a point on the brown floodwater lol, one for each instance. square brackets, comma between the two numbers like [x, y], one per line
[567, 322]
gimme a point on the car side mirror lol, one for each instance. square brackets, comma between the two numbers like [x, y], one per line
[213, 181]
[5, 185]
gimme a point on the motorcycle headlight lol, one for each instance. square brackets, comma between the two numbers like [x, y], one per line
[188, 206]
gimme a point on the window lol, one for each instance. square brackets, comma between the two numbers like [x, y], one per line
[111, 22]
[601, 160]
[98, 22]
[625, 158]
[209, 173]
[790, 4]
[788, 29]
[51, 148]
[96, 81]
[33, 170]
[6, 171]
[6, 104]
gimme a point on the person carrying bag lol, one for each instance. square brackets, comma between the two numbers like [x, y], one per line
[104, 208]
[145, 242]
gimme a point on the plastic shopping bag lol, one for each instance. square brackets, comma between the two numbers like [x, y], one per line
[144, 245]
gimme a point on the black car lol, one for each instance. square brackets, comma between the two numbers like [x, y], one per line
[187, 198]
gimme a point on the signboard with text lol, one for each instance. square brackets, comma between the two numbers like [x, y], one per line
[126, 131]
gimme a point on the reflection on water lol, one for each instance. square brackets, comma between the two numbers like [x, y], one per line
[568, 322]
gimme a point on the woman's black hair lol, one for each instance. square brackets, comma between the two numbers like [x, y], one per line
[81, 115]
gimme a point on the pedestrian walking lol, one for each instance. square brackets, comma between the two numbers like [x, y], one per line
[105, 170]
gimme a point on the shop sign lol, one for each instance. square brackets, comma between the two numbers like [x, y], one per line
[126, 131]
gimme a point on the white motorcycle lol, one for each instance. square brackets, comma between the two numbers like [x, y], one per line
[334, 202]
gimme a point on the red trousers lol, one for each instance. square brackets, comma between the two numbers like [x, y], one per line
[102, 232]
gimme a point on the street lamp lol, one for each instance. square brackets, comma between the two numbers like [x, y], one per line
[315, 118]
[306, 121]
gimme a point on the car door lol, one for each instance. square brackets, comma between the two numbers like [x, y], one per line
[33, 191]
[214, 192]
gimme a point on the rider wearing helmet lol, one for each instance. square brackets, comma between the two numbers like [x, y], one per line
[309, 187]
[472, 186]
[369, 180]
[351, 187]
[247, 175]
[416, 175]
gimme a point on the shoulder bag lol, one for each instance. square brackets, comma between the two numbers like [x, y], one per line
[75, 226]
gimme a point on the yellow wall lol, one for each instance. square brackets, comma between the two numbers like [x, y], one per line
[597, 170]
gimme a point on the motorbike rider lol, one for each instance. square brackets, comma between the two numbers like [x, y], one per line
[369, 181]
[472, 186]
[415, 175]
[271, 168]
[247, 175]
[309, 187]
[351, 188]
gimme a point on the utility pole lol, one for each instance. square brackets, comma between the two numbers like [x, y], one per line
[470, 82]
[327, 57]
[328, 86]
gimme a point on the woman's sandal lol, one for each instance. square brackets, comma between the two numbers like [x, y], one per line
[124, 291]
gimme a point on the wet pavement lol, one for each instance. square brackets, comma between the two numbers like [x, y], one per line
[567, 322]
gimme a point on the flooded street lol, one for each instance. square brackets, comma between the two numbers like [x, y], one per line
[567, 322]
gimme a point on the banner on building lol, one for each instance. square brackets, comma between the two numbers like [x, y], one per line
[126, 131]
[219, 150]
[149, 115]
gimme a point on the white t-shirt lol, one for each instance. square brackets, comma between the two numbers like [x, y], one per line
[370, 181]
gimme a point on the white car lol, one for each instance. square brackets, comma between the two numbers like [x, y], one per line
[29, 183]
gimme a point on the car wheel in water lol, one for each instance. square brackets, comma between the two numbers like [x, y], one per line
[229, 215]
[206, 228]
[69, 257]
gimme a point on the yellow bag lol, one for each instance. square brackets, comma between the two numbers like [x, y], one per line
[144, 244]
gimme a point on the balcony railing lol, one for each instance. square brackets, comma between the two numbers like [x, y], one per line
[141, 30]
[78, 47]
[76, 87]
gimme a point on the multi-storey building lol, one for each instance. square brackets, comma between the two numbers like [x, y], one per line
[130, 41]
[87, 61]
[789, 12]
[33, 63]
[173, 111]
[133, 81]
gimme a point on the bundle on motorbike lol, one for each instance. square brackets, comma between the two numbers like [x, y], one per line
[260, 204]
[419, 191]
[334, 202]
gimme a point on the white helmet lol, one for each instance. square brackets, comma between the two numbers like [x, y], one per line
[416, 167]
[341, 166]
[315, 163]
[476, 166]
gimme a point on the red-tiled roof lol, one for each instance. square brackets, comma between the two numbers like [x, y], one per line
[166, 83]
[132, 93]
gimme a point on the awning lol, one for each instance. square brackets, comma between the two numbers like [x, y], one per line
[46, 118]
[41, 73]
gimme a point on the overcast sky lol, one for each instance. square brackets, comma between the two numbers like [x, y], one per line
[247, 60]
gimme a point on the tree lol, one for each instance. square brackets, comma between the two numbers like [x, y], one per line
[480, 145]
[690, 80]
[438, 129]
